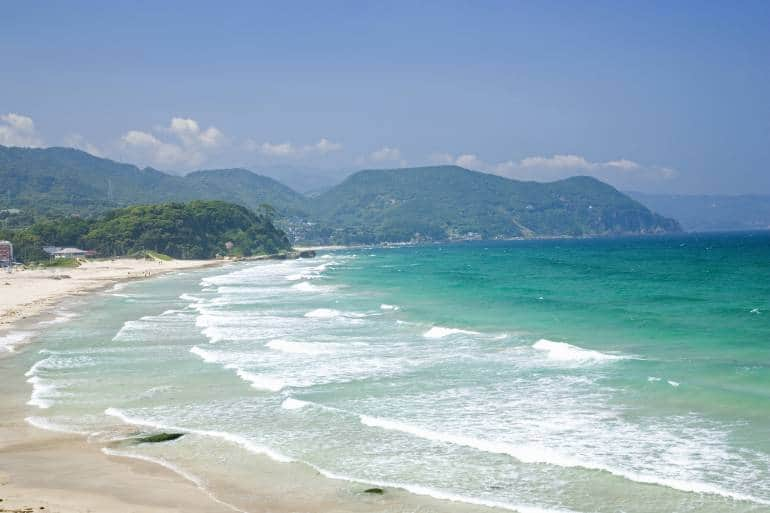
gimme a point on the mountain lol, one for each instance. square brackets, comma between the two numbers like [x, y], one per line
[65, 180]
[712, 212]
[387, 205]
[306, 180]
[452, 202]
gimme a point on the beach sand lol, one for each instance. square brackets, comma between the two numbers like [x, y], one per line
[26, 293]
[47, 471]
[44, 470]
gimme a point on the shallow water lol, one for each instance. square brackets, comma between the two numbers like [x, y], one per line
[599, 375]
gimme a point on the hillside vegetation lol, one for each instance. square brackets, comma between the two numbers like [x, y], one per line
[395, 205]
[65, 180]
[451, 202]
[199, 229]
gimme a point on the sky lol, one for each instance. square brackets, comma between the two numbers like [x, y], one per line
[669, 97]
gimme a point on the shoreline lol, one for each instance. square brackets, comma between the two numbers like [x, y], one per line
[30, 293]
[85, 475]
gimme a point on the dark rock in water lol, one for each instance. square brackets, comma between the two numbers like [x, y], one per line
[307, 254]
[378, 491]
[158, 438]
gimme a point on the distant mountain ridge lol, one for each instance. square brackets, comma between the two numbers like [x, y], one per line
[451, 202]
[370, 206]
[703, 213]
[66, 180]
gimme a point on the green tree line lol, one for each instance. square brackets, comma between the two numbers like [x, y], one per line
[195, 230]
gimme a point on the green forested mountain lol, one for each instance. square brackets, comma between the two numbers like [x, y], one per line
[65, 180]
[452, 202]
[428, 203]
[199, 229]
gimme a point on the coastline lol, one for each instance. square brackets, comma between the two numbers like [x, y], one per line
[87, 475]
[31, 292]
[79, 477]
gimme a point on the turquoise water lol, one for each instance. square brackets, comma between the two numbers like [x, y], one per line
[588, 376]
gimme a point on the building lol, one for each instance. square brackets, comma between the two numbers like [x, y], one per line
[57, 252]
[6, 254]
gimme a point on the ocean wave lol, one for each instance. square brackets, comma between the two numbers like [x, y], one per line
[535, 454]
[11, 340]
[323, 313]
[257, 381]
[563, 352]
[439, 494]
[43, 392]
[385, 306]
[294, 404]
[330, 313]
[60, 318]
[177, 470]
[525, 454]
[189, 297]
[287, 346]
[441, 332]
[235, 439]
[306, 286]
[48, 425]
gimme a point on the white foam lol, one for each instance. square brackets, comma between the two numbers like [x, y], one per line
[47, 425]
[525, 454]
[563, 352]
[35, 367]
[257, 381]
[293, 404]
[43, 392]
[62, 317]
[287, 346]
[385, 306]
[673, 383]
[11, 340]
[260, 381]
[305, 286]
[441, 332]
[534, 454]
[170, 466]
[222, 435]
[207, 356]
[323, 313]
[439, 494]
[653, 379]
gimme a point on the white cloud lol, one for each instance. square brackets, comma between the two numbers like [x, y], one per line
[189, 147]
[325, 146]
[289, 150]
[470, 161]
[190, 134]
[385, 154]
[619, 172]
[79, 142]
[149, 148]
[277, 150]
[18, 130]
[557, 162]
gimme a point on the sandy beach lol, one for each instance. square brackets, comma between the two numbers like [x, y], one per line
[25, 293]
[48, 471]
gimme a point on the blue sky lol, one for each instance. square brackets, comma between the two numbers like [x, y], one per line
[668, 97]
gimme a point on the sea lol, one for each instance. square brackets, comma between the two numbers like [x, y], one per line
[599, 375]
